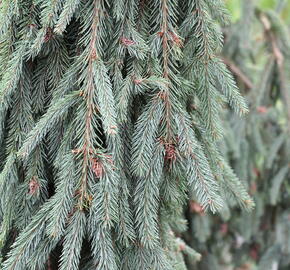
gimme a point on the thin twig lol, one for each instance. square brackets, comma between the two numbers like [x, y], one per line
[279, 58]
[236, 71]
[49, 264]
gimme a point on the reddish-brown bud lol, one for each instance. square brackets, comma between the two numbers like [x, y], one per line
[127, 42]
[33, 185]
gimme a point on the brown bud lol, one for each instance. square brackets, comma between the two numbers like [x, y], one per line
[195, 207]
[127, 42]
[170, 152]
[48, 34]
[33, 185]
[97, 168]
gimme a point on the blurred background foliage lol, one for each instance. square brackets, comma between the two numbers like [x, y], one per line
[235, 8]
[257, 51]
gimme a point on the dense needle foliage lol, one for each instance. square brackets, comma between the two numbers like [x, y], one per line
[257, 50]
[110, 119]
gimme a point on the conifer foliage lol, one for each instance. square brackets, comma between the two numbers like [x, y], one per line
[257, 50]
[109, 119]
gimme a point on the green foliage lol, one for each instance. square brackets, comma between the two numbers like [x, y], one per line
[257, 148]
[267, 4]
[111, 117]
[234, 6]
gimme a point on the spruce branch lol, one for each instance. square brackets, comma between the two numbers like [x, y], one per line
[103, 250]
[147, 200]
[49, 14]
[94, 87]
[73, 239]
[63, 200]
[29, 239]
[145, 136]
[66, 15]
[109, 120]
[54, 114]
